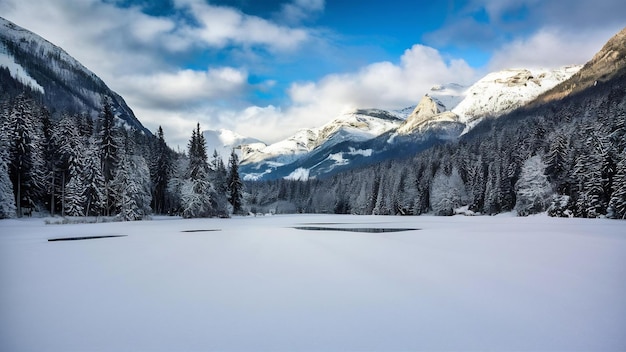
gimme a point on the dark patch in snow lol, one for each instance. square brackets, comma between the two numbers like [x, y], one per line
[201, 230]
[82, 238]
[365, 229]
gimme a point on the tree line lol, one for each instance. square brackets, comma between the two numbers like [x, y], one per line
[81, 166]
[567, 158]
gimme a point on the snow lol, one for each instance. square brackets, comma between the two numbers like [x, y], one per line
[300, 174]
[352, 126]
[17, 71]
[224, 141]
[502, 91]
[458, 283]
[16, 34]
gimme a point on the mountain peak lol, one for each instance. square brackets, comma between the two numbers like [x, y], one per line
[608, 63]
[425, 110]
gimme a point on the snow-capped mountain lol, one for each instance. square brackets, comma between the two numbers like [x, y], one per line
[366, 136]
[29, 62]
[501, 92]
[493, 95]
[356, 126]
[224, 141]
[608, 63]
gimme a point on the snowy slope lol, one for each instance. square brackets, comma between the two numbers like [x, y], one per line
[224, 141]
[17, 72]
[500, 92]
[257, 284]
[64, 83]
[356, 126]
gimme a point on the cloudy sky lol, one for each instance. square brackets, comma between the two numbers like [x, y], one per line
[266, 68]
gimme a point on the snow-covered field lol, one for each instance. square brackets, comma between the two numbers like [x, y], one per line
[460, 283]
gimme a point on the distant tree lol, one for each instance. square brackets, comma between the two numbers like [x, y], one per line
[7, 200]
[447, 192]
[132, 188]
[617, 204]
[220, 174]
[533, 188]
[162, 170]
[196, 190]
[235, 186]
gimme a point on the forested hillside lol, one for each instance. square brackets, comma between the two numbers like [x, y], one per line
[567, 157]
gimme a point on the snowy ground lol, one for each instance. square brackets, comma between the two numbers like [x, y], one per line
[461, 283]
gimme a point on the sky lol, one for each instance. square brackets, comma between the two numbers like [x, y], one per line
[267, 68]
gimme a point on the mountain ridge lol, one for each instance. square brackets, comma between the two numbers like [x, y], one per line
[444, 113]
[65, 85]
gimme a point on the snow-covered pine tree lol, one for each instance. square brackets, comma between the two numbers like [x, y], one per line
[447, 192]
[7, 199]
[94, 181]
[131, 186]
[533, 189]
[235, 186]
[109, 149]
[617, 204]
[22, 132]
[162, 170]
[220, 174]
[588, 170]
[196, 190]
[75, 189]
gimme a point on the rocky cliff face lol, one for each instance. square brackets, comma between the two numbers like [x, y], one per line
[608, 63]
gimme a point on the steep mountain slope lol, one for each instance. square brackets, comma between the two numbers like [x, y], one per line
[608, 63]
[501, 92]
[29, 62]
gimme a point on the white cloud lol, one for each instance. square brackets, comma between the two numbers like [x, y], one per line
[381, 85]
[184, 87]
[550, 47]
[221, 26]
[132, 52]
[299, 10]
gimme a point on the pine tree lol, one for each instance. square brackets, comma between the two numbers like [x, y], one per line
[161, 174]
[7, 200]
[22, 133]
[132, 188]
[617, 204]
[75, 190]
[220, 174]
[533, 188]
[109, 150]
[447, 192]
[94, 182]
[235, 186]
[197, 191]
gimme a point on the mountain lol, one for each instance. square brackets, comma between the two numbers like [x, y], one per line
[48, 73]
[224, 141]
[365, 137]
[565, 156]
[260, 162]
[608, 63]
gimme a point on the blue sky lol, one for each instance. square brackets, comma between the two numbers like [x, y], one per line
[268, 68]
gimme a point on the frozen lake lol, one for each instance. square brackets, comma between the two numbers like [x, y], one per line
[456, 283]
